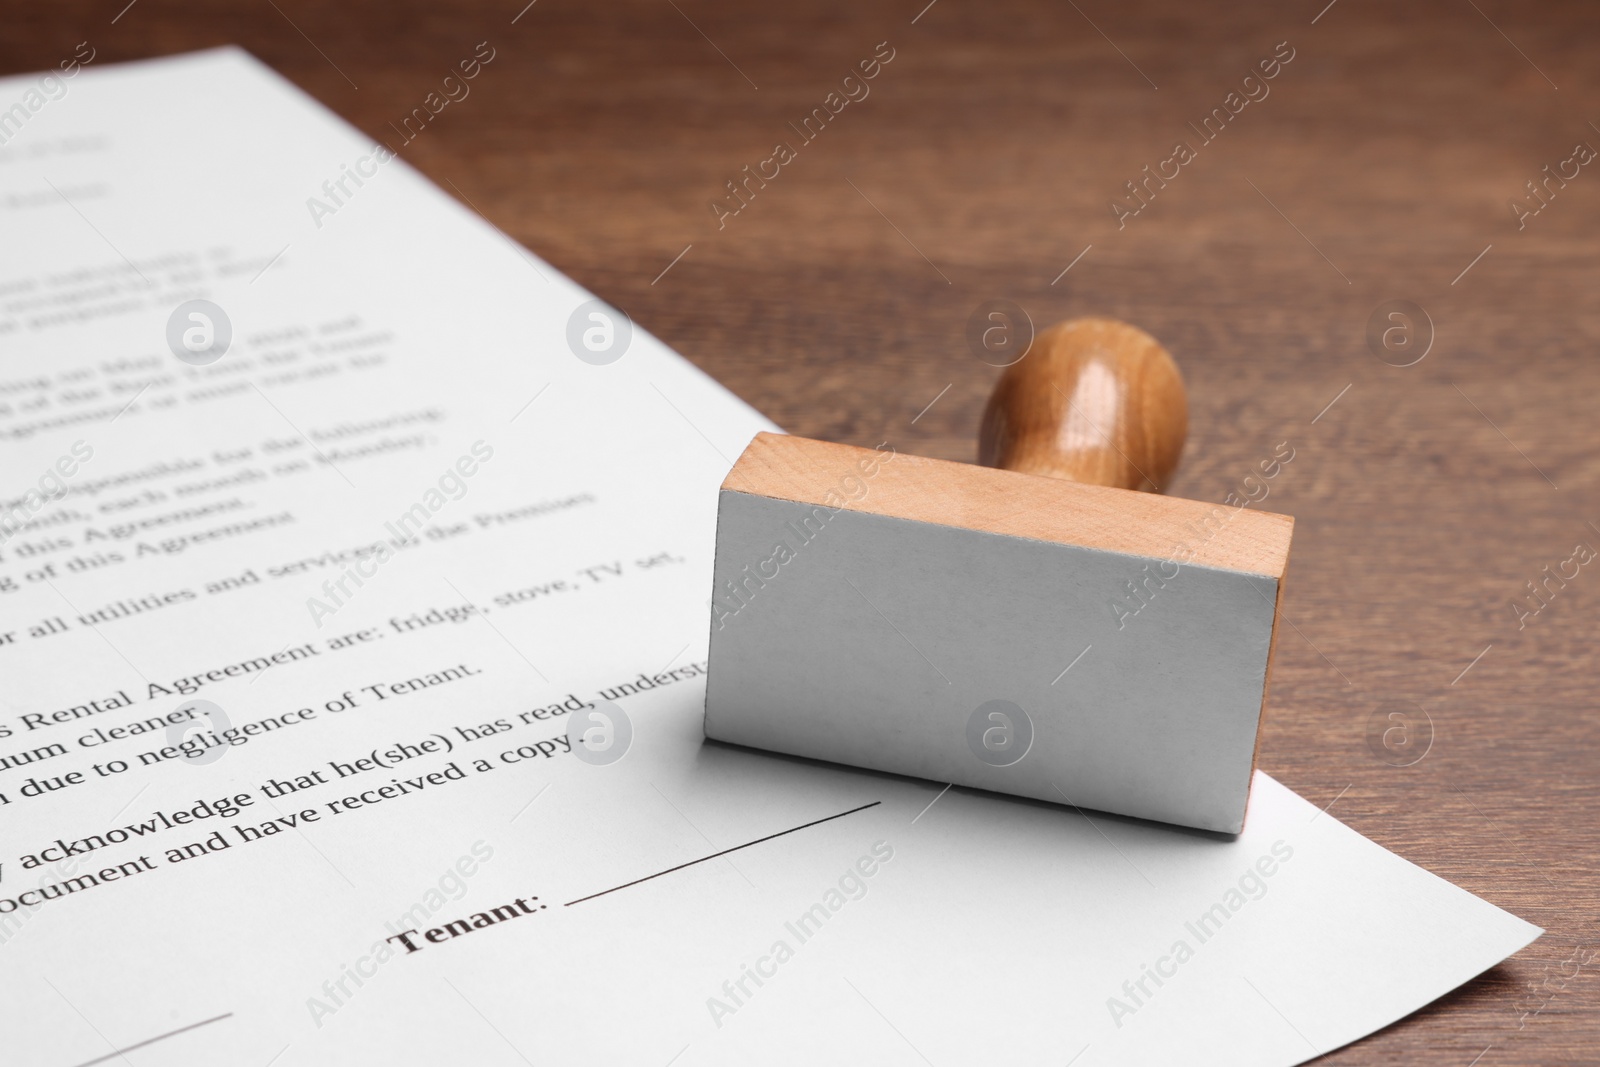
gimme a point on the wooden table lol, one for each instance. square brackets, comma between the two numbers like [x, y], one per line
[982, 166]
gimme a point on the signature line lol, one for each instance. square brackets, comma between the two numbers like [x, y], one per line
[159, 1037]
[724, 852]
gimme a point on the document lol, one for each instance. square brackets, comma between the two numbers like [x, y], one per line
[354, 567]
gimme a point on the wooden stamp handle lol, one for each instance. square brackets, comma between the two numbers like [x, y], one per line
[1094, 401]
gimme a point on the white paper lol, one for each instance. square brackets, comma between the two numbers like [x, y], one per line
[397, 333]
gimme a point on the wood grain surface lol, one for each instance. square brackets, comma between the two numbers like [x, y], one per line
[1378, 167]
